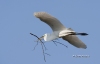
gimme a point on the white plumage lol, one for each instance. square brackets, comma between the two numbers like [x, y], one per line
[59, 30]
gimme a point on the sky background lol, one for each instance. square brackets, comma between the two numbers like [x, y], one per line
[17, 21]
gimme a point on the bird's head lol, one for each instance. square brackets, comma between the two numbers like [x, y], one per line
[46, 36]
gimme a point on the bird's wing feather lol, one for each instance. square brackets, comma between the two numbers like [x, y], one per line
[75, 41]
[54, 23]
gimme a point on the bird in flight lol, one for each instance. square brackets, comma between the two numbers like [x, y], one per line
[60, 31]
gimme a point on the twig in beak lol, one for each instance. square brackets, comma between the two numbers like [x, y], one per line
[42, 44]
[39, 39]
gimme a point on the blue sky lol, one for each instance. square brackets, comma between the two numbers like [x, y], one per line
[17, 21]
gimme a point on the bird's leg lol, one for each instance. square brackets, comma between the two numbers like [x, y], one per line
[83, 34]
[54, 42]
[75, 33]
[60, 43]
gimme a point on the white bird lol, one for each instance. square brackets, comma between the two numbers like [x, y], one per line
[59, 30]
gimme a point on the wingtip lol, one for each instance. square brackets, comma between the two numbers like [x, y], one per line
[35, 13]
[83, 47]
[38, 14]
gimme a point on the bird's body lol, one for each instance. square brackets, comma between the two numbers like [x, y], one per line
[59, 30]
[56, 34]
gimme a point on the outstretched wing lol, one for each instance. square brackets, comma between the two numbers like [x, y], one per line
[75, 41]
[54, 23]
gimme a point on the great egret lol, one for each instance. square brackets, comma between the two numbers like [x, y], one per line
[59, 30]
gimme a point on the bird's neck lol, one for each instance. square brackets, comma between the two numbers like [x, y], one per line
[50, 37]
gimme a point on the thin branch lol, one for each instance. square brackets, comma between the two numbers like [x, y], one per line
[43, 52]
[48, 54]
[40, 40]
[42, 44]
[35, 46]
